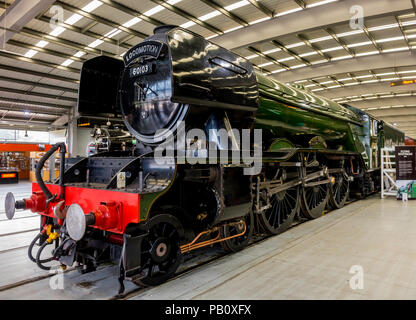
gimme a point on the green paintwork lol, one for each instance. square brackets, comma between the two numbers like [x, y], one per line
[409, 188]
[281, 143]
[290, 111]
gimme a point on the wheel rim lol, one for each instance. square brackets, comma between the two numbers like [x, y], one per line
[161, 254]
[238, 243]
[314, 200]
[284, 206]
[339, 191]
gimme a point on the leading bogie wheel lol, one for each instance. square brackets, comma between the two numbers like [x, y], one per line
[161, 254]
[238, 243]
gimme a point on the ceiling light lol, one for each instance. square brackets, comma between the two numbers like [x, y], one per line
[298, 66]
[349, 33]
[57, 31]
[132, 22]
[236, 5]
[384, 27]
[272, 51]
[265, 64]
[332, 49]
[67, 62]
[295, 45]
[95, 43]
[321, 39]
[396, 49]
[341, 58]
[73, 19]
[213, 36]
[30, 53]
[233, 29]
[384, 74]
[79, 54]
[363, 77]
[278, 70]
[320, 3]
[112, 33]
[406, 71]
[370, 81]
[366, 53]
[286, 59]
[288, 12]
[359, 44]
[153, 11]
[210, 15]
[259, 20]
[92, 6]
[390, 39]
[187, 24]
[42, 44]
[307, 54]
[252, 56]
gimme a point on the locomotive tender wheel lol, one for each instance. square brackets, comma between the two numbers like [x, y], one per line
[314, 200]
[284, 206]
[338, 192]
[161, 254]
[236, 244]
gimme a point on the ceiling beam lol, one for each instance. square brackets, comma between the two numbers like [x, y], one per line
[16, 56]
[63, 42]
[100, 19]
[377, 61]
[37, 94]
[44, 50]
[36, 105]
[270, 58]
[133, 12]
[38, 73]
[310, 19]
[290, 52]
[38, 84]
[225, 12]
[188, 16]
[31, 110]
[18, 15]
[85, 31]
[262, 8]
[358, 90]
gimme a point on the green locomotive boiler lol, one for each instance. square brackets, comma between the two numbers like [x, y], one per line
[178, 92]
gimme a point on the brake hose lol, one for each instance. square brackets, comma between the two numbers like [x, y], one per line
[38, 172]
[40, 262]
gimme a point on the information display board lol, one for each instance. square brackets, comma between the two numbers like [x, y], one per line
[405, 162]
[406, 171]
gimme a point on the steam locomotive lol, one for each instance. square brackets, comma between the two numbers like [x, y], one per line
[176, 91]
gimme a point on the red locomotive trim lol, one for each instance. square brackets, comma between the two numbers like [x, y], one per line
[114, 210]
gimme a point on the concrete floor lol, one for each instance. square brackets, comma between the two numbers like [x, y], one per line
[313, 260]
[310, 261]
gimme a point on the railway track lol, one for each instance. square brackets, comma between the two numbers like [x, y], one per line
[101, 284]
